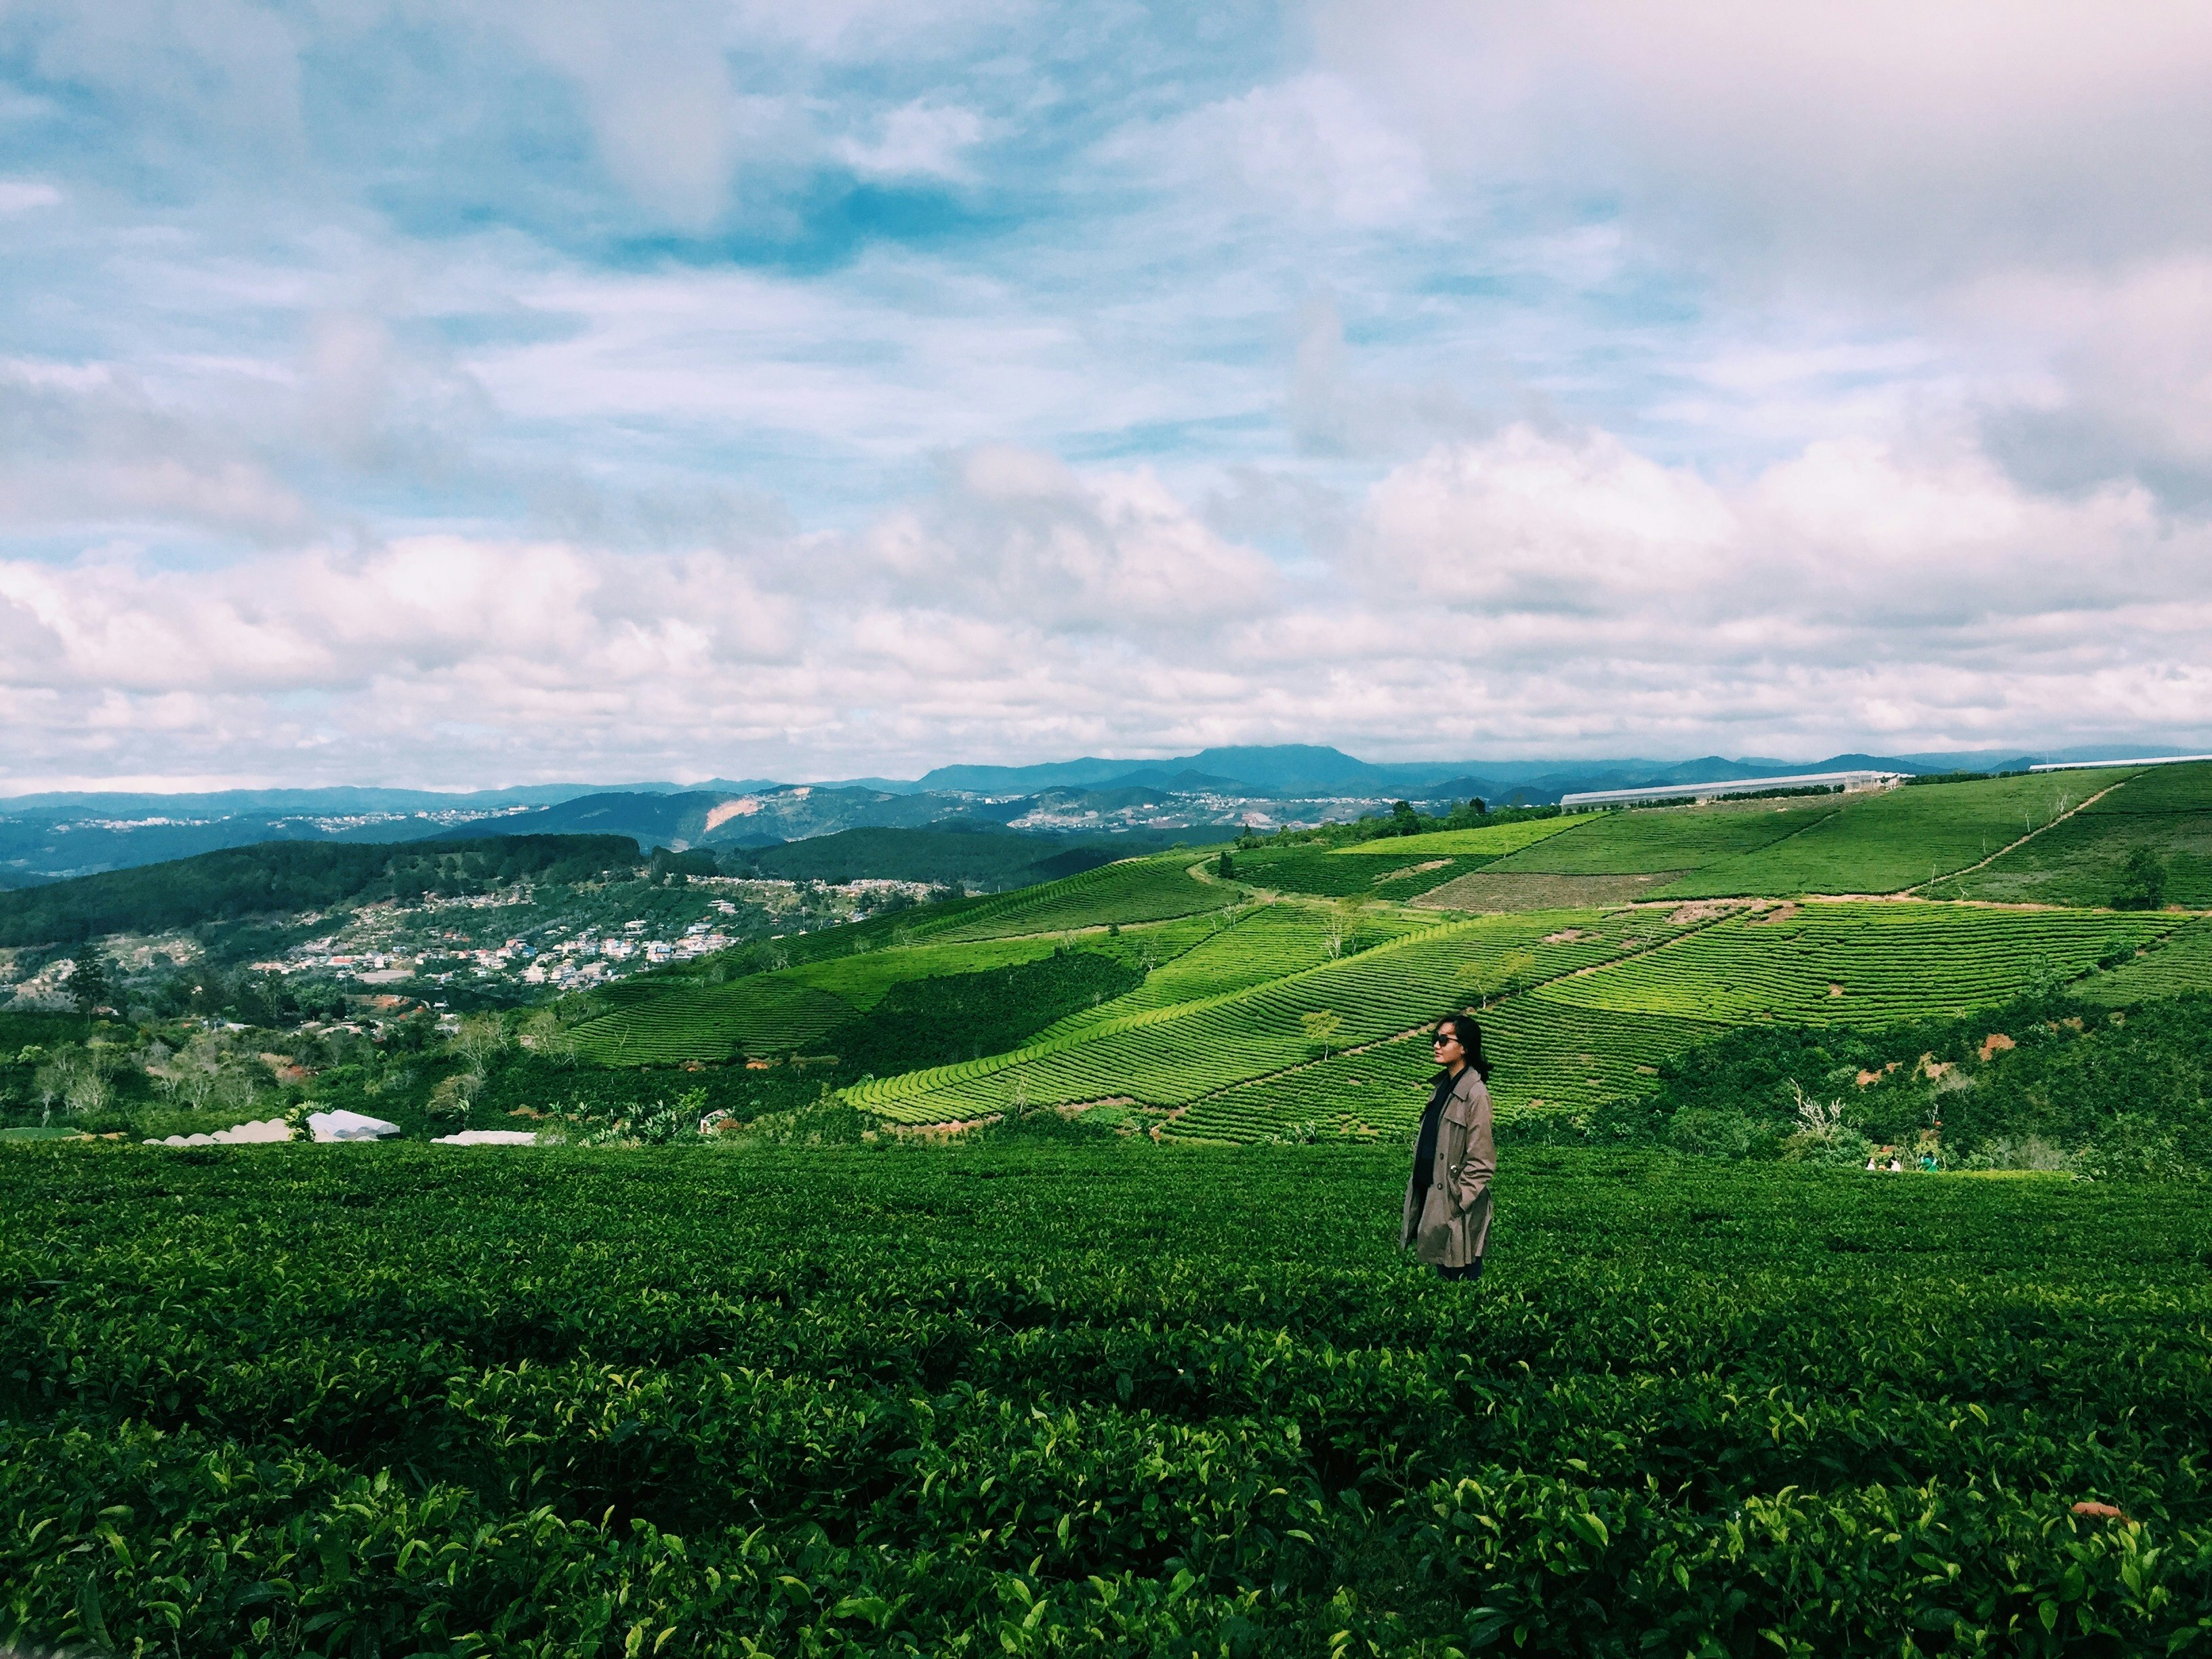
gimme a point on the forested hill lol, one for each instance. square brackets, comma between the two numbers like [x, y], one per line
[983, 856]
[282, 876]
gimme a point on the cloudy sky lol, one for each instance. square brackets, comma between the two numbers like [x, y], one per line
[470, 393]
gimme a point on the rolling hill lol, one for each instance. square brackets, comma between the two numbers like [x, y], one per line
[1288, 997]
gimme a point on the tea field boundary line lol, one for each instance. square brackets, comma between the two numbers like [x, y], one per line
[1961, 874]
[1034, 1051]
[1697, 926]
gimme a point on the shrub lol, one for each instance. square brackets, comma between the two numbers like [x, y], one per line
[2142, 883]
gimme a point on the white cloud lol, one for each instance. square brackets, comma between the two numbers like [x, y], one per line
[86, 448]
[1894, 139]
[1714, 377]
[917, 140]
[1312, 147]
[1523, 593]
[655, 80]
[21, 195]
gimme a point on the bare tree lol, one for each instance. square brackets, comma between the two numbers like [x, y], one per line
[480, 1037]
[87, 1091]
[544, 1033]
[1819, 1117]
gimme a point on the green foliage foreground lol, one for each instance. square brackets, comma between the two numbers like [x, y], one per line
[1115, 1399]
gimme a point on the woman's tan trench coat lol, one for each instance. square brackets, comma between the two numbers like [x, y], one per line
[1453, 1225]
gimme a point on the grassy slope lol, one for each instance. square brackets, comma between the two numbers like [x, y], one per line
[1218, 1032]
[1171, 1056]
[1666, 838]
[2167, 809]
[1484, 840]
[1893, 840]
[860, 980]
[1857, 963]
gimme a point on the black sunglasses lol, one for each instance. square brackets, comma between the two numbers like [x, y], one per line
[1440, 1039]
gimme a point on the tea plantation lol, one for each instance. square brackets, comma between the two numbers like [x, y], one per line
[1038, 1292]
[1089, 1396]
[1259, 965]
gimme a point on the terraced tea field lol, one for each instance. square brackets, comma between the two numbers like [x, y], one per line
[1251, 947]
[1674, 838]
[1549, 1058]
[1856, 963]
[1896, 839]
[1487, 840]
[2180, 962]
[1343, 873]
[2167, 809]
[1138, 890]
[1238, 1027]
[1170, 1056]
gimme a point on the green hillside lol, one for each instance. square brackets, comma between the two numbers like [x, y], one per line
[984, 856]
[287, 876]
[1677, 838]
[2083, 859]
[1896, 839]
[1289, 999]
[1484, 840]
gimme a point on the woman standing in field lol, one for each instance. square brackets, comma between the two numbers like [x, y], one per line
[1448, 1200]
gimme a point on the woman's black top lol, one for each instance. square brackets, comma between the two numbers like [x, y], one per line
[1424, 1149]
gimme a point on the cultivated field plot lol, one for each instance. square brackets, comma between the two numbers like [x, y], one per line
[1675, 838]
[1898, 839]
[664, 1023]
[1545, 1057]
[1172, 1055]
[2155, 789]
[2166, 809]
[860, 980]
[1330, 874]
[1485, 891]
[1115, 1401]
[1137, 889]
[1251, 946]
[1856, 963]
[2180, 962]
[1484, 840]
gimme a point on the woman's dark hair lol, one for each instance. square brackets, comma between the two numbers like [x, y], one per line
[1470, 1041]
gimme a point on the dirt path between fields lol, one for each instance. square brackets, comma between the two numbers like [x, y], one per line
[1958, 875]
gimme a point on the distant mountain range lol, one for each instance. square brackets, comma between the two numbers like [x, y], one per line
[47, 836]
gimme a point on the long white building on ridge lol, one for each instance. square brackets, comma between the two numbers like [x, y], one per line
[1728, 786]
[2145, 760]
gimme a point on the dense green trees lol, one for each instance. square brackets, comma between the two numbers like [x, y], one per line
[2042, 1083]
[2142, 883]
[282, 876]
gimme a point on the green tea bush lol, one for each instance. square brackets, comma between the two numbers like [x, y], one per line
[1100, 1397]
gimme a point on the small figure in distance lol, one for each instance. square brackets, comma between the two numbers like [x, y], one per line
[1895, 1168]
[1447, 1221]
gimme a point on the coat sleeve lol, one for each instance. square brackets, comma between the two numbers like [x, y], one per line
[1471, 1180]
